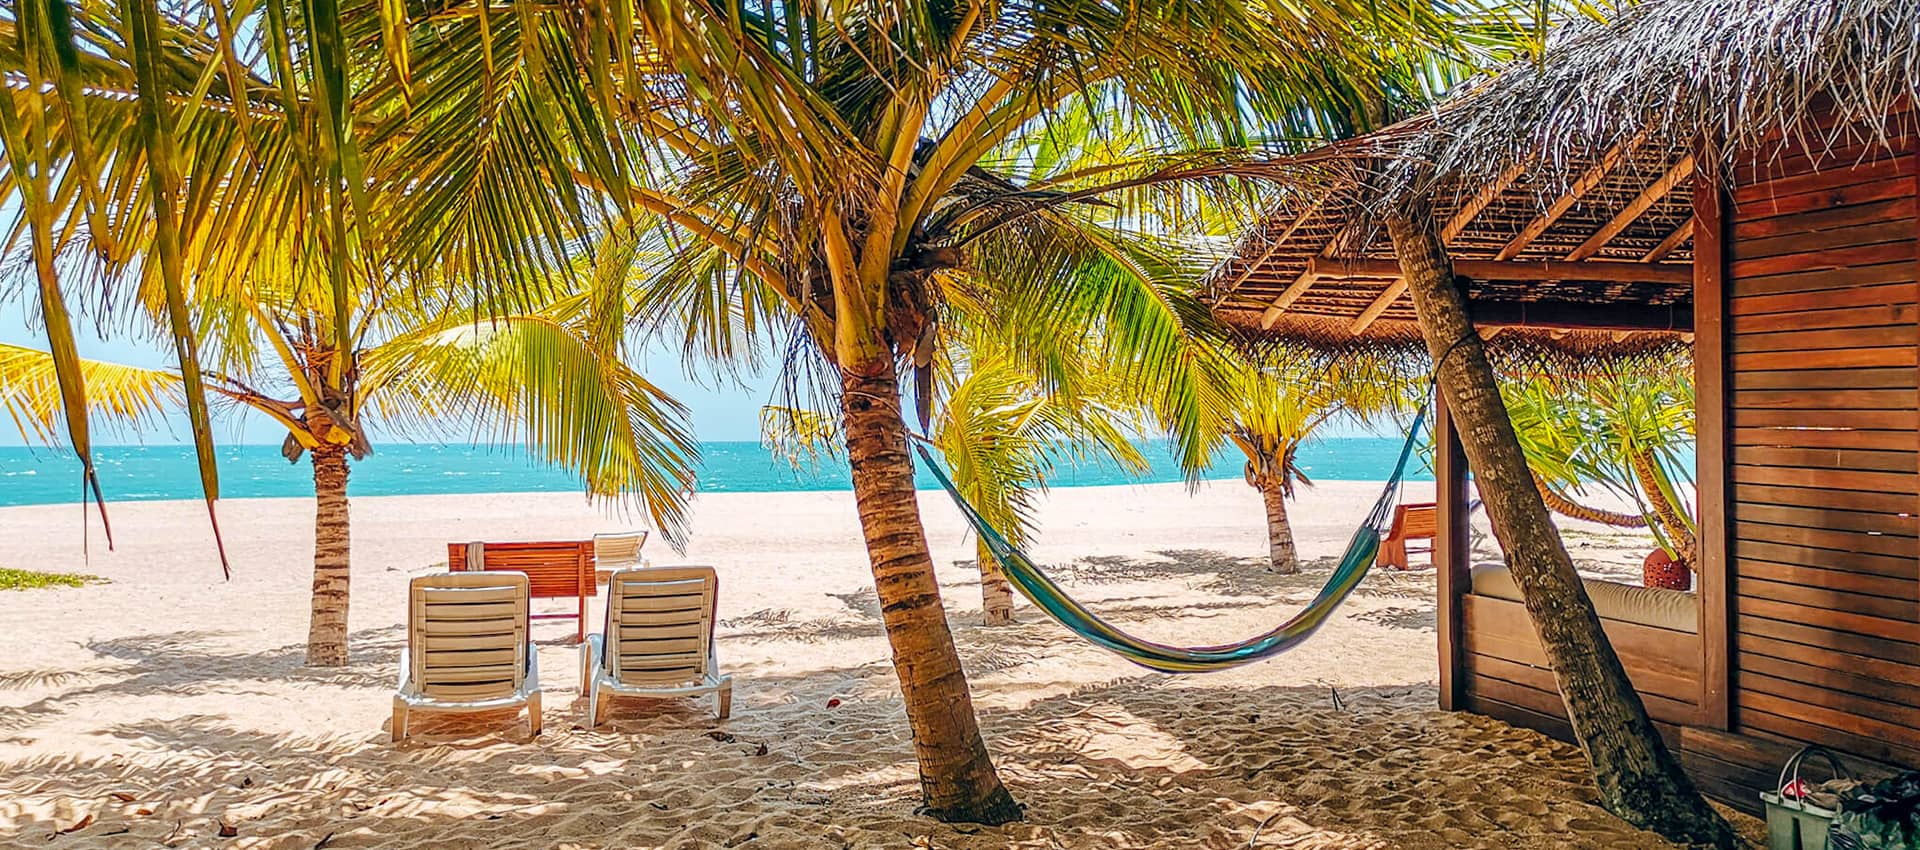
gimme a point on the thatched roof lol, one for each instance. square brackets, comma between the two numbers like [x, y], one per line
[1564, 187]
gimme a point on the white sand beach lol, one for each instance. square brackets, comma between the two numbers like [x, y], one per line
[166, 706]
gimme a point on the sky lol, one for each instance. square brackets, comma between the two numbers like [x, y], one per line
[725, 412]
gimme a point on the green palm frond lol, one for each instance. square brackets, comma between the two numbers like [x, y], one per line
[125, 396]
[539, 381]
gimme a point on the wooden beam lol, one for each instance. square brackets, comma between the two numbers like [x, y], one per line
[1292, 293]
[1368, 316]
[1710, 453]
[1275, 244]
[1452, 554]
[1674, 240]
[1612, 271]
[1567, 315]
[1479, 202]
[1630, 213]
[1593, 177]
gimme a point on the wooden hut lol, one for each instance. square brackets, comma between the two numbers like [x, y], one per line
[1738, 174]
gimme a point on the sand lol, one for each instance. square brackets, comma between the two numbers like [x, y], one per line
[165, 706]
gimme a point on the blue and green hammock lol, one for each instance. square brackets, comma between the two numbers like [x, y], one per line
[1048, 595]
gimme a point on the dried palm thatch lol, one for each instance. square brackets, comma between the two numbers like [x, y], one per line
[1587, 157]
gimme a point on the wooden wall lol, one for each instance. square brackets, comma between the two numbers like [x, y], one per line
[1506, 675]
[1823, 477]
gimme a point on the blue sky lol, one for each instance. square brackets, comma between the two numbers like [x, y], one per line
[725, 412]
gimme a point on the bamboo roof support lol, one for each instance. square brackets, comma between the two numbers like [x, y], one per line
[1674, 240]
[1634, 209]
[1593, 177]
[1368, 316]
[1292, 293]
[1275, 244]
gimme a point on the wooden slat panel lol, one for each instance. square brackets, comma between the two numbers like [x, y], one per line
[1852, 399]
[1826, 280]
[1836, 677]
[1774, 164]
[472, 611]
[1838, 580]
[1866, 647]
[1811, 243]
[1825, 438]
[1854, 562]
[1821, 725]
[441, 659]
[1828, 538]
[1893, 378]
[1885, 354]
[630, 630]
[1681, 708]
[1658, 660]
[1830, 258]
[1824, 340]
[1761, 199]
[1827, 599]
[1831, 518]
[1839, 500]
[1827, 458]
[1830, 479]
[1826, 217]
[1846, 317]
[1883, 628]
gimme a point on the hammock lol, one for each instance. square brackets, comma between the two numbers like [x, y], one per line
[1044, 592]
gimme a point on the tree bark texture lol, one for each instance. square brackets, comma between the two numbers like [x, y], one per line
[327, 628]
[1281, 553]
[996, 593]
[957, 778]
[1569, 508]
[1637, 777]
[1670, 519]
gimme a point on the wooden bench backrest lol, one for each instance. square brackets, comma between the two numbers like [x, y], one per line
[557, 569]
[1415, 522]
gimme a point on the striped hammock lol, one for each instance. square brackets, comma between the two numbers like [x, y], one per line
[1045, 593]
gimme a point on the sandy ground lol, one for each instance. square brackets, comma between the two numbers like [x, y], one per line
[165, 706]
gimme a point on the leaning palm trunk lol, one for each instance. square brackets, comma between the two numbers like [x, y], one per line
[996, 593]
[957, 779]
[1638, 778]
[1282, 555]
[1569, 508]
[327, 630]
[1678, 534]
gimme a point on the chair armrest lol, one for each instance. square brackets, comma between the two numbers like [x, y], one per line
[406, 669]
[533, 668]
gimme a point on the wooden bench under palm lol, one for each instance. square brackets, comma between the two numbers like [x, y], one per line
[1418, 521]
[560, 569]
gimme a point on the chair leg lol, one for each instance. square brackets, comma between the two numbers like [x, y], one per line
[724, 700]
[534, 714]
[399, 720]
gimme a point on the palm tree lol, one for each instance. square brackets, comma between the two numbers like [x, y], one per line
[1284, 400]
[833, 167]
[540, 378]
[1623, 426]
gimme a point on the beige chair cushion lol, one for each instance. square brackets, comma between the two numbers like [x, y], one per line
[1647, 606]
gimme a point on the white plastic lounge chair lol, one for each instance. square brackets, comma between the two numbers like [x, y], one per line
[658, 640]
[617, 549]
[467, 647]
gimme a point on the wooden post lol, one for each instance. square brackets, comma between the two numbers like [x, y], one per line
[1713, 567]
[1452, 555]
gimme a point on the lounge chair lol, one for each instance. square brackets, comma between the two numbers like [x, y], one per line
[467, 647]
[618, 549]
[658, 640]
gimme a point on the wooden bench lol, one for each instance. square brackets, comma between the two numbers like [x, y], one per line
[1418, 521]
[560, 569]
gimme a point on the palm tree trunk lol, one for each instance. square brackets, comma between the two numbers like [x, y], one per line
[996, 594]
[1569, 508]
[957, 779]
[327, 629]
[1281, 554]
[1638, 778]
[1670, 519]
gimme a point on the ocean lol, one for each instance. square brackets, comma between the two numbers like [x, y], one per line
[37, 476]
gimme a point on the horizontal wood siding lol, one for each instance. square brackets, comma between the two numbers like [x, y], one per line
[1507, 674]
[1823, 327]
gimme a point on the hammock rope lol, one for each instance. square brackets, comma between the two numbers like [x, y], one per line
[1044, 592]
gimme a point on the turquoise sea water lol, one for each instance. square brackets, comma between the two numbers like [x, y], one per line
[33, 476]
